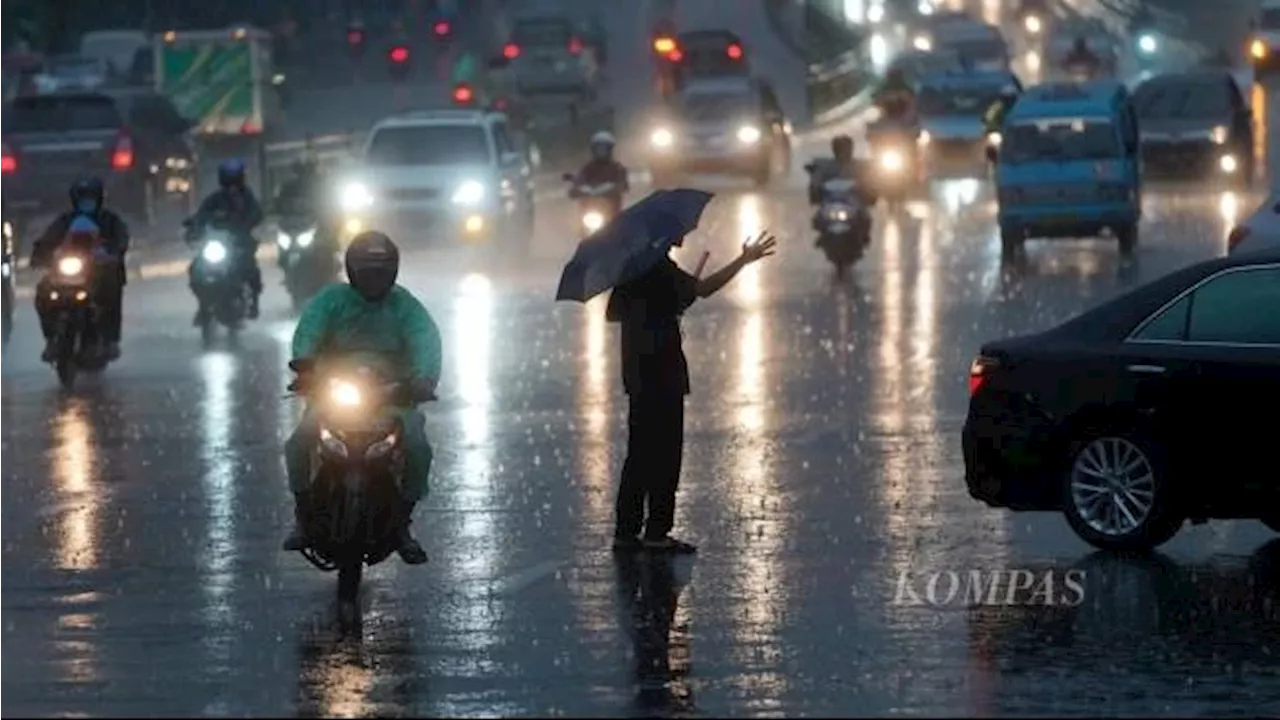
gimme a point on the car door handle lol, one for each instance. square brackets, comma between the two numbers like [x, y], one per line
[1147, 369]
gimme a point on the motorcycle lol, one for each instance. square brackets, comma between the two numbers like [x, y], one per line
[599, 203]
[220, 285]
[358, 472]
[308, 265]
[894, 152]
[9, 297]
[71, 299]
[842, 222]
[1082, 70]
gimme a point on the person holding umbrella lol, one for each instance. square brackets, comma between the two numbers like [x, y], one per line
[650, 293]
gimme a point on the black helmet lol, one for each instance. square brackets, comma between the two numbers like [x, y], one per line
[231, 173]
[87, 190]
[373, 262]
[842, 147]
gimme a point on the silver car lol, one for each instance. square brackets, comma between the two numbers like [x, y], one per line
[1261, 231]
[547, 56]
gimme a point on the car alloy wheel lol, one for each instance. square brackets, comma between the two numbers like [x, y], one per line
[1116, 496]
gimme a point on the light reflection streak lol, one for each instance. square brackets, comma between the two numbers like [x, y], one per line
[218, 456]
[473, 324]
[595, 410]
[72, 467]
[1229, 211]
[761, 580]
[1258, 102]
[344, 687]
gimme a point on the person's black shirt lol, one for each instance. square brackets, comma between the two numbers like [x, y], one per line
[649, 309]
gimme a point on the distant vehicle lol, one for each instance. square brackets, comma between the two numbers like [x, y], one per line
[52, 140]
[546, 55]
[442, 174]
[1197, 124]
[66, 73]
[980, 46]
[1261, 231]
[723, 125]
[916, 65]
[952, 112]
[1265, 40]
[711, 53]
[1063, 35]
[1128, 419]
[927, 28]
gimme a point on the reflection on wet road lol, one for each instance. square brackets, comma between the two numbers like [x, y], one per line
[142, 516]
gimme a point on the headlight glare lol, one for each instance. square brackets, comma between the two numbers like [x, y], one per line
[305, 239]
[214, 252]
[344, 394]
[283, 240]
[355, 196]
[468, 193]
[662, 138]
[70, 266]
[748, 135]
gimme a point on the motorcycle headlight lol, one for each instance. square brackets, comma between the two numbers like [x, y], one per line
[355, 196]
[891, 161]
[70, 266]
[748, 135]
[283, 240]
[593, 221]
[994, 139]
[305, 239]
[344, 394]
[7, 270]
[923, 43]
[382, 448]
[8, 230]
[1147, 44]
[214, 252]
[1033, 24]
[468, 193]
[662, 138]
[332, 444]
[925, 138]
[1219, 134]
[1228, 164]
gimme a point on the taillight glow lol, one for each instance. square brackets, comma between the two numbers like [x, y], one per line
[441, 28]
[122, 156]
[980, 371]
[399, 54]
[734, 51]
[463, 94]
[355, 37]
[575, 46]
[500, 104]
[1236, 237]
[675, 55]
[511, 51]
[8, 163]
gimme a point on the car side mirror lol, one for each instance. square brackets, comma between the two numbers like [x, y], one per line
[499, 62]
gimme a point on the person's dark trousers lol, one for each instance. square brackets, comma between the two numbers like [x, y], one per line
[651, 473]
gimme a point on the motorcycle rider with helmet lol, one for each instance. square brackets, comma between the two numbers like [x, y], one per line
[87, 201]
[993, 118]
[233, 199]
[1082, 54]
[602, 168]
[896, 98]
[842, 163]
[369, 316]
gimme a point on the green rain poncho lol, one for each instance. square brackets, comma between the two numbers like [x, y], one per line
[396, 335]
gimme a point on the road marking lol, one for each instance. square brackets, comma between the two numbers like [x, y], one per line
[513, 584]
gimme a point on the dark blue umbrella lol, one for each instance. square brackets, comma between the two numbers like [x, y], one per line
[632, 243]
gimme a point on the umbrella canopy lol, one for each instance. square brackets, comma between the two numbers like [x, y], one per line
[632, 243]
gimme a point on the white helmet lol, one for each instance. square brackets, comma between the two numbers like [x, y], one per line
[603, 138]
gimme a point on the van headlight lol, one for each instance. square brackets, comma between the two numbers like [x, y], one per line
[70, 266]
[468, 193]
[662, 138]
[748, 135]
[355, 196]
[214, 252]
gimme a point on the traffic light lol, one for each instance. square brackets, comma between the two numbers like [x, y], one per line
[398, 57]
[441, 29]
[463, 94]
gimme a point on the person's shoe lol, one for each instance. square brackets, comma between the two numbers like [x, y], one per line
[111, 351]
[669, 545]
[50, 352]
[627, 544]
[409, 549]
[297, 539]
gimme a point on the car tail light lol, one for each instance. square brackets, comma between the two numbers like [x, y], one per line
[511, 51]
[441, 28]
[675, 56]
[980, 371]
[500, 104]
[734, 51]
[122, 155]
[8, 163]
[355, 37]
[575, 46]
[399, 54]
[463, 94]
[1236, 237]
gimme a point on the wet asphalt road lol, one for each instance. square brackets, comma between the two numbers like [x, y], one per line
[142, 514]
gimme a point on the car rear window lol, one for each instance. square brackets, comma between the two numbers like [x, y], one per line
[542, 32]
[61, 113]
[429, 145]
[718, 106]
[1184, 98]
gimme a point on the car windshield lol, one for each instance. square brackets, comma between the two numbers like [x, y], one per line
[718, 106]
[536, 33]
[1270, 18]
[1207, 99]
[73, 66]
[956, 101]
[429, 145]
[1060, 139]
[52, 113]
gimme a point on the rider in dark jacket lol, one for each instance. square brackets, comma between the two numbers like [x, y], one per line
[1081, 53]
[602, 167]
[236, 201]
[842, 163]
[87, 197]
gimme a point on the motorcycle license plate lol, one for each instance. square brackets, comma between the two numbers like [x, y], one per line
[839, 227]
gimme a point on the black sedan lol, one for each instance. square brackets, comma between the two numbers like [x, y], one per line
[1153, 409]
[1195, 123]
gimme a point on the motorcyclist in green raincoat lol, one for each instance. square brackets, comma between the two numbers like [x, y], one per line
[373, 317]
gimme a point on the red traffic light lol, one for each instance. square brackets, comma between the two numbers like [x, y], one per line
[734, 51]
[463, 94]
[355, 37]
[511, 51]
[399, 54]
[441, 28]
